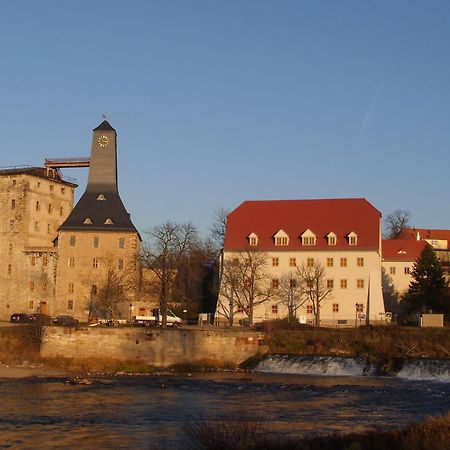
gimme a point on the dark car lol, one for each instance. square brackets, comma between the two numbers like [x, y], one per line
[65, 321]
[19, 318]
[40, 319]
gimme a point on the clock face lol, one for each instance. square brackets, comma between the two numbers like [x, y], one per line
[103, 141]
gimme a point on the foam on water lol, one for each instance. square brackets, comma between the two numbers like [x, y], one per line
[426, 369]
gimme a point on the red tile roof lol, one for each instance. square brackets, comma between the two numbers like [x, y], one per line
[411, 233]
[340, 216]
[401, 249]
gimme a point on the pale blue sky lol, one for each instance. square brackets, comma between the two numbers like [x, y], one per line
[220, 102]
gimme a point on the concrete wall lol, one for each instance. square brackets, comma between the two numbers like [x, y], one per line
[155, 347]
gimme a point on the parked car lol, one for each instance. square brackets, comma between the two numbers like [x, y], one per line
[40, 319]
[65, 321]
[19, 318]
[146, 321]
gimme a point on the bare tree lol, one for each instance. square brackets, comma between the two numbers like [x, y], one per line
[164, 253]
[312, 281]
[245, 283]
[290, 294]
[395, 223]
[219, 227]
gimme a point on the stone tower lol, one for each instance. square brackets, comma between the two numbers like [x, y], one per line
[98, 245]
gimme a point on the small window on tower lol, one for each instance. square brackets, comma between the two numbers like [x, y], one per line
[109, 222]
[87, 221]
[101, 197]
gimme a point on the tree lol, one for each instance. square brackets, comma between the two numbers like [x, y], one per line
[427, 289]
[219, 227]
[244, 284]
[290, 294]
[312, 282]
[395, 223]
[164, 254]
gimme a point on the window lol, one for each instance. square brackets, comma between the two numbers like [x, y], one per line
[38, 184]
[360, 262]
[331, 239]
[10, 248]
[61, 211]
[71, 288]
[120, 264]
[407, 271]
[33, 260]
[87, 221]
[344, 284]
[11, 224]
[335, 307]
[72, 241]
[330, 262]
[292, 262]
[31, 305]
[9, 269]
[49, 228]
[96, 241]
[330, 284]
[63, 190]
[343, 262]
[253, 239]
[108, 222]
[309, 309]
[352, 238]
[38, 206]
[121, 242]
[359, 307]
[95, 263]
[310, 262]
[133, 242]
[13, 204]
[359, 284]
[45, 261]
[240, 309]
[308, 238]
[101, 197]
[50, 208]
[51, 187]
[70, 305]
[275, 262]
[292, 283]
[274, 309]
[281, 238]
[31, 285]
[275, 283]
[392, 270]
[44, 286]
[36, 226]
[14, 182]
[71, 262]
[94, 289]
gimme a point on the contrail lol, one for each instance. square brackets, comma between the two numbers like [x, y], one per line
[368, 116]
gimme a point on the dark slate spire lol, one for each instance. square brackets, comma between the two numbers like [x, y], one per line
[100, 207]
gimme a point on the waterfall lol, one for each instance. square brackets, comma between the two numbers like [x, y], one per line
[315, 365]
[426, 369]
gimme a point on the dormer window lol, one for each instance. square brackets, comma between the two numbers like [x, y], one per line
[101, 197]
[87, 221]
[352, 238]
[281, 238]
[109, 222]
[332, 238]
[308, 238]
[253, 239]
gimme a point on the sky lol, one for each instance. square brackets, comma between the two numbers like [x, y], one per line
[218, 102]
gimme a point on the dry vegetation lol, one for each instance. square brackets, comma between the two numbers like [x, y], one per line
[432, 434]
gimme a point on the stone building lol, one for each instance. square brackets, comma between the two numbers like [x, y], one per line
[342, 235]
[34, 201]
[60, 259]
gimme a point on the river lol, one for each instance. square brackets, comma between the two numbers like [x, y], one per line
[134, 412]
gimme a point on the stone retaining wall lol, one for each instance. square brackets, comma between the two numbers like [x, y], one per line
[155, 347]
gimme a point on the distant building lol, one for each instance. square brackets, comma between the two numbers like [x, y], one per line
[34, 201]
[343, 235]
[438, 239]
[56, 259]
[398, 258]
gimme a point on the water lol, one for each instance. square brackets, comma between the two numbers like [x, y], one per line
[151, 412]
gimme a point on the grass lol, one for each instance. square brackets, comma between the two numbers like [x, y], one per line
[432, 434]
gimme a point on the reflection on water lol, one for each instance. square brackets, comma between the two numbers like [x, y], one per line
[150, 412]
